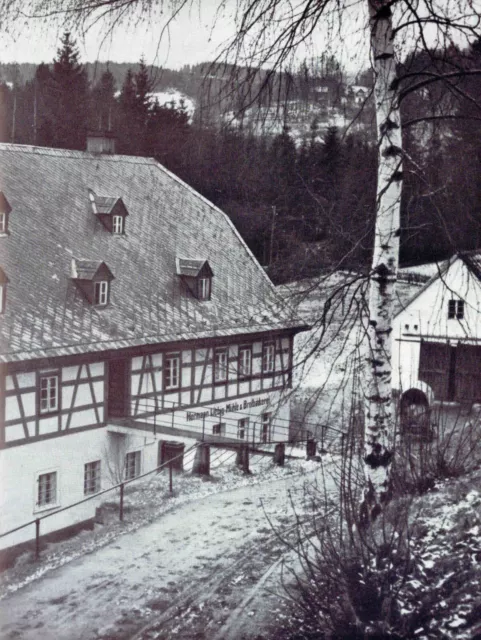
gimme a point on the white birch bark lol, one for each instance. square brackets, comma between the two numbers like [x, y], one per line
[379, 414]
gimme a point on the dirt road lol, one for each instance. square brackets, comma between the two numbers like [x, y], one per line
[183, 576]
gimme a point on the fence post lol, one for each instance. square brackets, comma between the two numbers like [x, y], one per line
[173, 414]
[170, 477]
[242, 458]
[311, 446]
[121, 509]
[202, 460]
[279, 454]
[37, 538]
[203, 427]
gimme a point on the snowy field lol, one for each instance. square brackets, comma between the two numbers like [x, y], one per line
[173, 97]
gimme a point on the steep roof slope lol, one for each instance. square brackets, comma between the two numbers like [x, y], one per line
[51, 223]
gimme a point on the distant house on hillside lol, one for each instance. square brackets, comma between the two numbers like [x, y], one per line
[131, 312]
[358, 94]
[437, 338]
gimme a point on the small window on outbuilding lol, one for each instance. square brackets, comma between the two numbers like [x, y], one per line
[456, 309]
[3, 290]
[5, 210]
[93, 280]
[111, 212]
[196, 276]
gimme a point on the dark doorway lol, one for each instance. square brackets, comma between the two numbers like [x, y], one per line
[453, 373]
[434, 368]
[415, 414]
[172, 452]
[117, 405]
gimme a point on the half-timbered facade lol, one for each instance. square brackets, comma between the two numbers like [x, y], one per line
[437, 337]
[130, 308]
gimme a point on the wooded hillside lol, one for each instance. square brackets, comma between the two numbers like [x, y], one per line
[302, 195]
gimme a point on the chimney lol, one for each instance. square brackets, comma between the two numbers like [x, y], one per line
[101, 142]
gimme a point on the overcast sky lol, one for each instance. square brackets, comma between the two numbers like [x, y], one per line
[196, 35]
[191, 38]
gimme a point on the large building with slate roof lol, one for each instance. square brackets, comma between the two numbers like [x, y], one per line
[130, 309]
[437, 339]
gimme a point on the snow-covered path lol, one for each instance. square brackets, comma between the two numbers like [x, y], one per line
[180, 576]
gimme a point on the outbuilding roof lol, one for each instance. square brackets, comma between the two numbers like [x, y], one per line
[472, 260]
[52, 225]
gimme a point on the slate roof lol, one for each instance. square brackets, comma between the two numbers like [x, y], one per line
[52, 223]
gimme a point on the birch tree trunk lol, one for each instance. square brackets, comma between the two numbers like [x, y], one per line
[379, 414]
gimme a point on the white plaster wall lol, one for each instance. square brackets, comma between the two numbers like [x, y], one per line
[19, 467]
[405, 365]
[67, 455]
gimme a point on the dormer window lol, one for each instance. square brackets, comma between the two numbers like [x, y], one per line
[196, 276]
[5, 210]
[93, 280]
[117, 224]
[101, 293]
[203, 288]
[3, 290]
[111, 212]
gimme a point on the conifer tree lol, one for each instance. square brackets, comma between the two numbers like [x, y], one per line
[68, 97]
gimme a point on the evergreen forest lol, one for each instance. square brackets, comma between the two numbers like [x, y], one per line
[302, 205]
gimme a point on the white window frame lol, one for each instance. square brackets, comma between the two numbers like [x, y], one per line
[218, 429]
[118, 224]
[49, 392]
[133, 464]
[221, 360]
[92, 477]
[268, 357]
[3, 223]
[242, 428]
[53, 493]
[266, 427]
[172, 371]
[245, 362]
[203, 288]
[101, 293]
